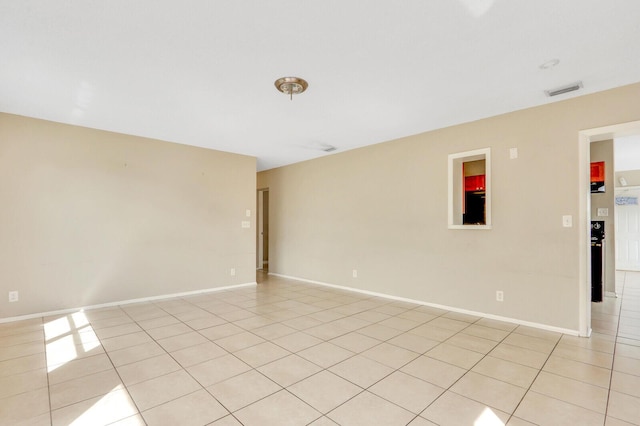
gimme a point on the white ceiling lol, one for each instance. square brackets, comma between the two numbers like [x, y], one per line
[201, 72]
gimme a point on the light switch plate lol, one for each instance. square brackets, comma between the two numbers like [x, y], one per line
[246, 224]
[567, 221]
[248, 213]
[603, 211]
[513, 153]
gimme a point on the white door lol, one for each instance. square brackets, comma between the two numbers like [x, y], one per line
[627, 225]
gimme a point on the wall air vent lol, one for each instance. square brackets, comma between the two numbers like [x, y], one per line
[564, 89]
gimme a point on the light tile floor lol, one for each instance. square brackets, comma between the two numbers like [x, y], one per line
[288, 353]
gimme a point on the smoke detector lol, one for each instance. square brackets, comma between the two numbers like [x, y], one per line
[549, 64]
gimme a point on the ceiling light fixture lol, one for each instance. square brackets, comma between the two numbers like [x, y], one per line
[291, 86]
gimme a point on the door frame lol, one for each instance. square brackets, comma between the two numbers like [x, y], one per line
[585, 137]
[260, 225]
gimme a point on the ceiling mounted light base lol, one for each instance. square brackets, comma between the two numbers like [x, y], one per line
[291, 85]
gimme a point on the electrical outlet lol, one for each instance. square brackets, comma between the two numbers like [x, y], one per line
[355, 273]
[233, 272]
[246, 224]
[500, 296]
[247, 213]
[13, 296]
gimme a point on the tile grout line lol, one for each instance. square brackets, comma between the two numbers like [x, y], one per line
[126, 387]
[350, 357]
[42, 341]
[422, 354]
[202, 387]
[230, 413]
[276, 320]
[115, 369]
[46, 366]
[354, 355]
[441, 315]
[547, 360]
[286, 389]
[212, 341]
[469, 369]
[613, 355]
[534, 380]
[169, 313]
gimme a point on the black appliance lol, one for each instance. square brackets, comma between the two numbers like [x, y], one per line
[474, 203]
[597, 260]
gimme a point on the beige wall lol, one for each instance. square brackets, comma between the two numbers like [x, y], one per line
[91, 217]
[632, 177]
[603, 151]
[383, 211]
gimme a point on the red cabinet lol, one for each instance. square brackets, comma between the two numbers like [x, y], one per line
[597, 171]
[474, 183]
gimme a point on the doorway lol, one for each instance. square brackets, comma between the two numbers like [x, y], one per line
[627, 205]
[262, 229]
[586, 137]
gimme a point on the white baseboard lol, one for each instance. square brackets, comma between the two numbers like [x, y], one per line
[126, 302]
[435, 305]
[610, 294]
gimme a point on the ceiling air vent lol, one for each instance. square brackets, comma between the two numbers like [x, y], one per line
[320, 146]
[564, 89]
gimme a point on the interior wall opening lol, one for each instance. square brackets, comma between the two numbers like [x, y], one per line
[262, 231]
[595, 212]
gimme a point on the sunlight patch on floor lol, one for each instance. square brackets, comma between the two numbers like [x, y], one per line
[65, 335]
[114, 406]
[60, 351]
[488, 418]
[56, 328]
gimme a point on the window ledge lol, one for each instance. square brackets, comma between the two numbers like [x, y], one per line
[470, 227]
